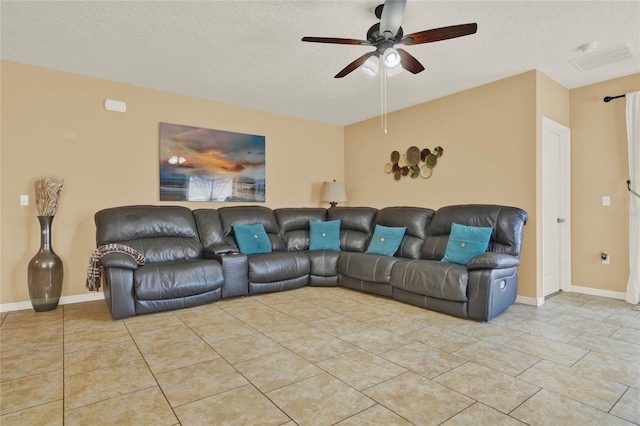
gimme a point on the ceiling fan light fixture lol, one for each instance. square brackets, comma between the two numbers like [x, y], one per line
[391, 58]
[393, 71]
[371, 65]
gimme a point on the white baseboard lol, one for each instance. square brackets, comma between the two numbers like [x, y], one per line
[64, 300]
[533, 301]
[598, 292]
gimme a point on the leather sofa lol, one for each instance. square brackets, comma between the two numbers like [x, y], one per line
[192, 257]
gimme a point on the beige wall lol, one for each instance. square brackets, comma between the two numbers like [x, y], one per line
[552, 101]
[600, 167]
[489, 138]
[54, 125]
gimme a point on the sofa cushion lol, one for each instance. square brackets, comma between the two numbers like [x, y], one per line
[181, 278]
[159, 233]
[366, 267]
[324, 235]
[507, 223]
[278, 266]
[431, 278]
[356, 226]
[252, 239]
[386, 240]
[294, 225]
[415, 219]
[466, 242]
[249, 215]
[209, 227]
[324, 263]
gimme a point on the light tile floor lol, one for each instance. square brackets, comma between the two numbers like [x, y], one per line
[323, 356]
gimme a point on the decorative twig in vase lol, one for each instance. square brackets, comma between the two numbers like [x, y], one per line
[48, 196]
[45, 272]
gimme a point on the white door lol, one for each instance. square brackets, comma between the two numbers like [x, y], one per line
[556, 207]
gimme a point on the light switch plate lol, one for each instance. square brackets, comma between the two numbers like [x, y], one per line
[24, 200]
[606, 200]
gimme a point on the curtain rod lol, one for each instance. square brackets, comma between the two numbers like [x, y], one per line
[631, 190]
[609, 98]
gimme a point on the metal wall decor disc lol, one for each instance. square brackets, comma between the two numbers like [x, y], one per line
[396, 175]
[438, 150]
[395, 168]
[424, 153]
[388, 168]
[413, 156]
[431, 160]
[425, 172]
[402, 162]
[395, 156]
[414, 171]
[404, 170]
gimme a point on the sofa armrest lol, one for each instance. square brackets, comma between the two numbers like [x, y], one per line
[212, 251]
[235, 270]
[119, 292]
[490, 292]
[119, 260]
[492, 260]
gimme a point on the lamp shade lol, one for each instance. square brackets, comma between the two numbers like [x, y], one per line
[371, 65]
[395, 70]
[391, 57]
[333, 192]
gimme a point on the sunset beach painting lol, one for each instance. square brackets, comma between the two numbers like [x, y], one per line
[198, 164]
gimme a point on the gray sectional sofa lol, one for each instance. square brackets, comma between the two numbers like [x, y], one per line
[192, 257]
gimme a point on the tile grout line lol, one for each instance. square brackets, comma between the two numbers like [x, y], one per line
[155, 379]
[312, 301]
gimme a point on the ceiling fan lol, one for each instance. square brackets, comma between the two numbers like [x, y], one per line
[387, 34]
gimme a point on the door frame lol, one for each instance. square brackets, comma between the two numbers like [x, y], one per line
[564, 134]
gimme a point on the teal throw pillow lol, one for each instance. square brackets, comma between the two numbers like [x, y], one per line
[386, 240]
[466, 242]
[252, 239]
[324, 235]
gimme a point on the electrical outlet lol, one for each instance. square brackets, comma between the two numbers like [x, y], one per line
[24, 200]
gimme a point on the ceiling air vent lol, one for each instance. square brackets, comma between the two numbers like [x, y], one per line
[602, 58]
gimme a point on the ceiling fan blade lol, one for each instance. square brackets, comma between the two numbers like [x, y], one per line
[438, 34]
[409, 63]
[354, 65]
[333, 40]
[391, 18]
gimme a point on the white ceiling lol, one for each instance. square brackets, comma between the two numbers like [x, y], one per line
[249, 53]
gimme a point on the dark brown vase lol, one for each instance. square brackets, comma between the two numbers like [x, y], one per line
[45, 272]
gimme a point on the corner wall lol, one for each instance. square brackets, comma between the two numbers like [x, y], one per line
[54, 125]
[489, 136]
[600, 166]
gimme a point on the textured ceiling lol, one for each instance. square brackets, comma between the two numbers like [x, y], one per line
[249, 53]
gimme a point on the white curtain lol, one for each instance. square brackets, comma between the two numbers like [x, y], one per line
[633, 138]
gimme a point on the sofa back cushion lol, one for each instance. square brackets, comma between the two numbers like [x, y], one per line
[294, 225]
[250, 215]
[160, 233]
[209, 227]
[415, 219]
[507, 223]
[356, 226]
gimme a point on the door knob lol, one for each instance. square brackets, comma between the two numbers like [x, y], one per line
[560, 220]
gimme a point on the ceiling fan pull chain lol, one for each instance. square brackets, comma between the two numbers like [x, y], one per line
[381, 99]
[384, 77]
